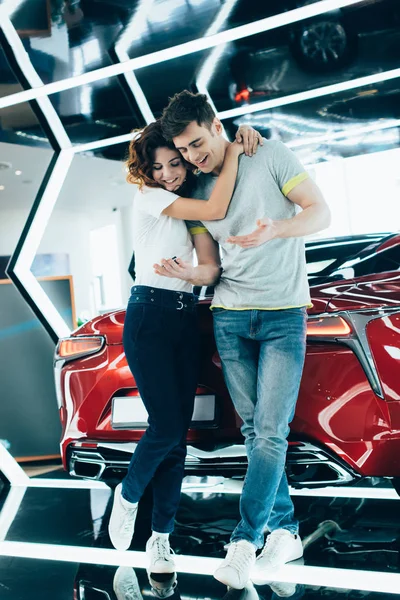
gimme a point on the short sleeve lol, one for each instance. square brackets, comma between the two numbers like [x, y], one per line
[288, 170]
[196, 227]
[154, 200]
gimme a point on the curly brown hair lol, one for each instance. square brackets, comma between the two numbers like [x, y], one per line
[141, 154]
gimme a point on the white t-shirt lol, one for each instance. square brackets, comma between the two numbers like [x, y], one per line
[158, 236]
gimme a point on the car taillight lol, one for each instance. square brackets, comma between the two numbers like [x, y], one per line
[242, 96]
[335, 327]
[76, 347]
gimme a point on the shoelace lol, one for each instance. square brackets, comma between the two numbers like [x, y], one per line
[126, 518]
[162, 549]
[237, 555]
[271, 545]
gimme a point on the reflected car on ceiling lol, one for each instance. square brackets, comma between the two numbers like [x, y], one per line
[265, 64]
[347, 419]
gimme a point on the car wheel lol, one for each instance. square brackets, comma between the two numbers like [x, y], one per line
[324, 46]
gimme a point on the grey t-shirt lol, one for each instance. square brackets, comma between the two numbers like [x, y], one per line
[271, 276]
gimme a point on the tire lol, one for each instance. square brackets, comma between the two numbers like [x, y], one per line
[324, 46]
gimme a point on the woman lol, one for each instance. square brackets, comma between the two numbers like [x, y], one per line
[160, 333]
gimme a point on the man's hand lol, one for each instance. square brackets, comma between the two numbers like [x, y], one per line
[175, 268]
[267, 230]
[250, 138]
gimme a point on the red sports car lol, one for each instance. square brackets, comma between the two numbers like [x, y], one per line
[347, 422]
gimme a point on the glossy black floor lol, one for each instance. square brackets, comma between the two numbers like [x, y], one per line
[57, 527]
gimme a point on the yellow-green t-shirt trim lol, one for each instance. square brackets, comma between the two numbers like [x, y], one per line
[289, 185]
[197, 230]
[262, 307]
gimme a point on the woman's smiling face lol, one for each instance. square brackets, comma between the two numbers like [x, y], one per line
[168, 169]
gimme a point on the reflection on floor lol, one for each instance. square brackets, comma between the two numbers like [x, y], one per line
[339, 534]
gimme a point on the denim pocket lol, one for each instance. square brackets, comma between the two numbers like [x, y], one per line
[301, 311]
[218, 310]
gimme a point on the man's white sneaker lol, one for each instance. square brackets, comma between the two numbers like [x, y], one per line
[159, 555]
[126, 586]
[122, 521]
[235, 569]
[281, 547]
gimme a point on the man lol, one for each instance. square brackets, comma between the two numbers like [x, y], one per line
[259, 311]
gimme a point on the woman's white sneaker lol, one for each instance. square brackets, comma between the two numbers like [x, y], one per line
[159, 555]
[281, 547]
[237, 565]
[122, 521]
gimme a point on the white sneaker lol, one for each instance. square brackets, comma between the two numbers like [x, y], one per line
[247, 593]
[236, 566]
[122, 521]
[281, 547]
[282, 589]
[125, 585]
[163, 586]
[159, 555]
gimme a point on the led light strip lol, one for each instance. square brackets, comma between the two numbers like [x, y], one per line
[310, 94]
[135, 26]
[11, 469]
[34, 81]
[373, 581]
[210, 64]
[191, 47]
[34, 235]
[337, 135]
[10, 509]
[119, 139]
[232, 487]
[68, 484]
[213, 58]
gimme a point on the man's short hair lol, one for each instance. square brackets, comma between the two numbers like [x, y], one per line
[184, 108]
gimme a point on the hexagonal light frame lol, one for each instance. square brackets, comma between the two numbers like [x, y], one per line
[21, 261]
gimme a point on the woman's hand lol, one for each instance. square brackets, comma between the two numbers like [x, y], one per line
[250, 138]
[175, 268]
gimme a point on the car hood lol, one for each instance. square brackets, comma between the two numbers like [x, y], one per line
[372, 291]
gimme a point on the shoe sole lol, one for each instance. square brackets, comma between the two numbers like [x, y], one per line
[257, 578]
[162, 571]
[227, 583]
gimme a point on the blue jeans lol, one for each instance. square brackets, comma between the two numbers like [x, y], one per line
[262, 354]
[161, 347]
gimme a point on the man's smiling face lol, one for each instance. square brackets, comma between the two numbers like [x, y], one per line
[203, 147]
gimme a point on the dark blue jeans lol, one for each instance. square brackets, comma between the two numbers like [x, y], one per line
[262, 354]
[161, 346]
